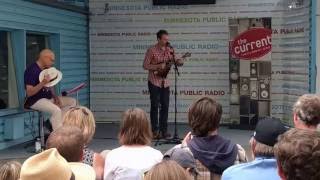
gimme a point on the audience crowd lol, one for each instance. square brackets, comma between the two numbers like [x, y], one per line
[278, 152]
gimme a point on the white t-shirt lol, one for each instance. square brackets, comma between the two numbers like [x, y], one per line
[130, 159]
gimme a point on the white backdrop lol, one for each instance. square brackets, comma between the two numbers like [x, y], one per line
[122, 30]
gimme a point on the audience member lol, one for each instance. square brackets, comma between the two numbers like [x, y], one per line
[68, 140]
[135, 154]
[298, 155]
[50, 165]
[10, 171]
[213, 152]
[184, 157]
[202, 153]
[306, 112]
[167, 170]
[264, 165]
[83, 118]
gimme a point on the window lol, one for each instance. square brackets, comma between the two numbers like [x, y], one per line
[8, 83]
[35, 43]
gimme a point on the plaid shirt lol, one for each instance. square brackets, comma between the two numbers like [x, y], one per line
[156, 55]
[205, 174]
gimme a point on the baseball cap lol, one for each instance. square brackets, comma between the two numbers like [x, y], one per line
[183, 157]
[268, 129]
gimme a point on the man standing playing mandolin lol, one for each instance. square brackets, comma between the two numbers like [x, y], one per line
[158, 61]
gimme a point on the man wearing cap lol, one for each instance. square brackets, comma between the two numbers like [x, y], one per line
[40, 78]
[264, 165]
[183, 156]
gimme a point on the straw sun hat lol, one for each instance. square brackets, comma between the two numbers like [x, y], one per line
[55, 76]
[50, 165]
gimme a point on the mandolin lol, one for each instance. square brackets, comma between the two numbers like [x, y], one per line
[164, 72]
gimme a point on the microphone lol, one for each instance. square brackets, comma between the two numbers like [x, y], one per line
[171, 48]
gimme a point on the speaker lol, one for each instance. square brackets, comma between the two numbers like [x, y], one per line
[244, 86]
[264, 68]
[234, 96]
[233, 31]
[244, 25]
[234, 70]
[254, 69]
[234, 111]
[244, 105]
[254, 109]
[244, 110]
[244, 68]
[264, 88]
[263, 108]
[256, 22]
[254, 90]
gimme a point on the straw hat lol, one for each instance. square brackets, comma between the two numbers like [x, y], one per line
[50, 165]
[55, 76]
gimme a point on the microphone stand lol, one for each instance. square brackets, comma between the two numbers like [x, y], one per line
[175, 139]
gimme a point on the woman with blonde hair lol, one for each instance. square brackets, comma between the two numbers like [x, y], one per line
[10, 171]
[167, 170]
[135, 156]
[82, 118]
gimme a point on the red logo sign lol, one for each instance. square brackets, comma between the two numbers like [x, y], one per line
[252, 44]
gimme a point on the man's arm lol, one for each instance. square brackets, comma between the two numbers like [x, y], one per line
[180, 61]
[177, 61]
[56, 98]
[147, 62]
[32, 90]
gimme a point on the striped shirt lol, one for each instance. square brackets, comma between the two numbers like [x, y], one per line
[156, 55]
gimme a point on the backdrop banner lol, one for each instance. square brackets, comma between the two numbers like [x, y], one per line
[122, 30]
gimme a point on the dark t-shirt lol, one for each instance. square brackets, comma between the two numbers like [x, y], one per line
[31, 77]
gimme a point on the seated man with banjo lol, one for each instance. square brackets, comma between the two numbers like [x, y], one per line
[40, 78]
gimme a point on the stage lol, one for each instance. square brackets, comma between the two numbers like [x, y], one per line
[106, 138]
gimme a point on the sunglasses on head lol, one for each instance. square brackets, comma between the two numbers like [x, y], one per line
[78, 108]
